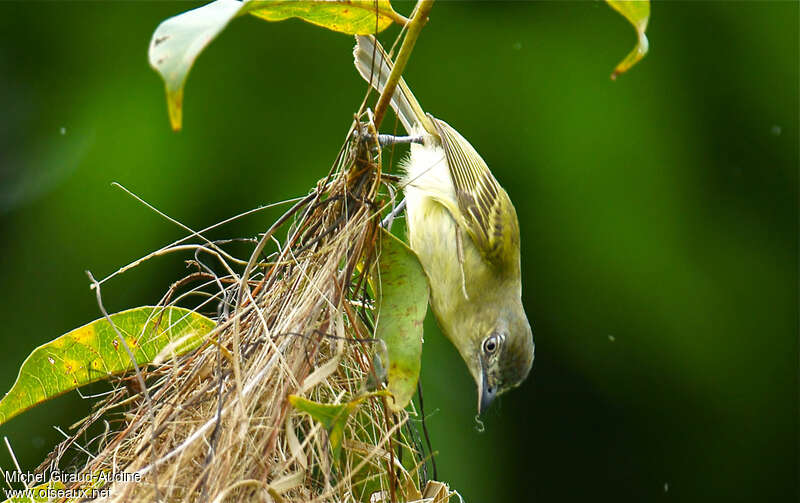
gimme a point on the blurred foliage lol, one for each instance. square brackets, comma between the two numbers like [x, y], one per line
[658, 218]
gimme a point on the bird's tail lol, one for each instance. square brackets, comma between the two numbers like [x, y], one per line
[374, 65]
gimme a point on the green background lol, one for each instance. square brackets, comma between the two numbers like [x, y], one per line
[658, 216]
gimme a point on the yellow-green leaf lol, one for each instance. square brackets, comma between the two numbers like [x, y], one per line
[94, 352]
[637, 12]
[333, 417]
[39, 494]
[402, 304]
[354, 17]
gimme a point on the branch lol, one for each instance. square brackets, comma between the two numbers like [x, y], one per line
[418, 19]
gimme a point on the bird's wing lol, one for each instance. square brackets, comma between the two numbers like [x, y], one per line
[486, 212]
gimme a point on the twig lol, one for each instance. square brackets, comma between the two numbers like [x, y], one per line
[418, 19]
[174, 221]
[244, 287]
[179, 241]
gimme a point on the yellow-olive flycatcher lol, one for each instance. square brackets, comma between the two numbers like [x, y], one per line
[464, 229]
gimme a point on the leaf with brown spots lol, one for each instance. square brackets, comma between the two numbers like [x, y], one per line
[402, 303]
[93, 352]
[354, 17]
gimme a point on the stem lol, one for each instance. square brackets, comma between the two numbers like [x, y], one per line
[396, 17]
[418, 19]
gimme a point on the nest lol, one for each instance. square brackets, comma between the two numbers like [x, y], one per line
[216, 425]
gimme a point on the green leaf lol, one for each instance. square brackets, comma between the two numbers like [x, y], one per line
[354, 17]
[638, 13]
[39, 494]
[94, 352]
[179, 40]
[402, 304]
[333, 417]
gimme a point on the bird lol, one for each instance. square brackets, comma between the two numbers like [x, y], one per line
[464, 229]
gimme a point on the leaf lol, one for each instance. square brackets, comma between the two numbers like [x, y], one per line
[354, 17]
[39, 494]
[638, 13]
[93, 352]
[179, 40]
[402, 304]
[333, 417]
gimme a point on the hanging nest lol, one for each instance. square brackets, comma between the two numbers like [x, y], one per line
[217, 425]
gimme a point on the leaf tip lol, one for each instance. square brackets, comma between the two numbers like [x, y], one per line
[637, 12]
[175, 108]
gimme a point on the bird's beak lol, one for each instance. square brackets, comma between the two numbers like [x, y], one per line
[486, 394]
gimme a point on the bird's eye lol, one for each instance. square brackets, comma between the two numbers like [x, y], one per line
[491, 344]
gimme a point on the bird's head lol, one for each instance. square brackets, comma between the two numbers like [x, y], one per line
[500, 354]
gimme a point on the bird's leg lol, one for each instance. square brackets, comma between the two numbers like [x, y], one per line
[386, 140]
[387, 222]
